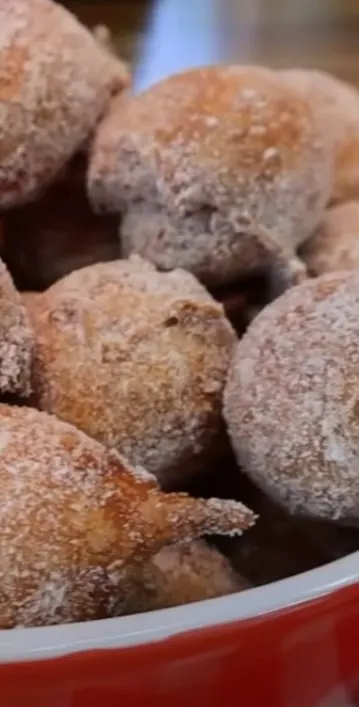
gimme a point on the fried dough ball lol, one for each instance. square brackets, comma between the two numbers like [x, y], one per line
[292, 398]
[182, 574]
[30, 300]
[217, 170]
[138, 360]
[16, 339]
[48, 238]
[335, 244]
[56, 82]
[77, 521]
[336, 105]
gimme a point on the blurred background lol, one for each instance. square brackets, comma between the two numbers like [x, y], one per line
[308, 33]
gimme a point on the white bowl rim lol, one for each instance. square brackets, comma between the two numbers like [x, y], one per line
[32, 644]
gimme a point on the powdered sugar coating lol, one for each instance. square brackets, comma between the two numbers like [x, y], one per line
[292, 398]
[16, 339]
[181, 574]
[204, 161]
[336, 105]
[138, 360]
[76, 522]
[55, 83]
[335, 244]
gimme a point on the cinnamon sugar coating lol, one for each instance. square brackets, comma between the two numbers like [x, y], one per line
[137, 359]
[292, 398]
[216, 170]
[182, 574]
[336, 105]
[335, 243]
[56, 81]
[16, 339]
[77, 521]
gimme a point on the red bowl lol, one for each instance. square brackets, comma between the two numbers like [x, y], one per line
[293, 643]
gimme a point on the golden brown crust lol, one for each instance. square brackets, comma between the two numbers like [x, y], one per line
[181, 574]
[335, 244]
[137, 359]
[336, 105]
[55, 84]
[203, 162]
[58, 233]
[16, 339]
[77, 520]
[292, 398]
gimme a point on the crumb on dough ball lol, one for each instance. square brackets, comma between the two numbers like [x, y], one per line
[336, 105]
[16, 339]
[138, 360]
[216, 170]
[335, 244]
[292, 398]
[58, 232]
[56, 82]
[182, 574]
[77, 521]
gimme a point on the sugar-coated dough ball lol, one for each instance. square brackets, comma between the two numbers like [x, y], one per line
[138, 360]
[77, 521]
[184, 573]
[16, 339]
[30, 299]
[56, 80]
[336, 105]
[292, 398]
[216, 170]
[335, 244]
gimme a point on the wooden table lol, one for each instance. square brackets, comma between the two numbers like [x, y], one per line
[310, 33]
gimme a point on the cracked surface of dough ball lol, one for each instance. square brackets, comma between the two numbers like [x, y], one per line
[77, 521]
[336, 105]
[56, 82]
[16, 339]
[215, 170]
[182, 574]
[138, 360]
[292, 398]
[335, 244]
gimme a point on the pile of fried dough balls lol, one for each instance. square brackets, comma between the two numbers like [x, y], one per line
[124, 221]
